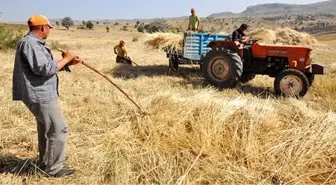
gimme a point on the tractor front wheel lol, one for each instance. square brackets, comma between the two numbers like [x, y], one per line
[222, 68]
[291, 83]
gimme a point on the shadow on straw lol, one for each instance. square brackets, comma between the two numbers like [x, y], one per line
[17, 166]
[260, 92]
[132, 72]
[191, 77]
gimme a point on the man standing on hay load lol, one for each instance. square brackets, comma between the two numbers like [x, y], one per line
[194, 21]
[35, 83]
[121, 52]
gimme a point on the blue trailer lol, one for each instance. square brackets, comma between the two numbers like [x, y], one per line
[195, 47]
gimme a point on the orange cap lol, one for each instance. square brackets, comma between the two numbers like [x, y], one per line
[39, 20]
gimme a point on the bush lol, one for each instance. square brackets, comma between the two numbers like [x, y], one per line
[89, 25]
[81, 27]
[141, 28]
[57, 44]
[157, 26]
[67, 22]
[9, 38]
[124, 28]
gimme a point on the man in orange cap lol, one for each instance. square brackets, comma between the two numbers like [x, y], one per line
[35, 83]
[121, 52]
[194, 21]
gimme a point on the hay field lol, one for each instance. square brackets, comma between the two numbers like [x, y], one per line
[194, 134]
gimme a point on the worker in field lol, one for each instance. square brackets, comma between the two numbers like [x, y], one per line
[194, 21]
[239, 36]
[35, 83]
[121, 52]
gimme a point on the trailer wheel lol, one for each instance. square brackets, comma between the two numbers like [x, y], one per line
[291, 83]
[222, 68]
[173, 63]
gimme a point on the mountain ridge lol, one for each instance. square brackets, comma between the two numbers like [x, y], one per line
[277, 9]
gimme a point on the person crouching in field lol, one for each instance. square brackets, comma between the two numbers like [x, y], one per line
[35, 83]
[121, 52]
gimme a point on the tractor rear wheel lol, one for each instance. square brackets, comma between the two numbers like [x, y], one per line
[173, 63]
[291, 83]
[222, 68]
[246, 77]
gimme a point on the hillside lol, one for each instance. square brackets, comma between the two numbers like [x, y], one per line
[276, 9]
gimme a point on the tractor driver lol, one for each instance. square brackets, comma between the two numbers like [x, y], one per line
[239, 35]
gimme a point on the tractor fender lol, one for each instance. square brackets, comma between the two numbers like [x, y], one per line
[230, 45]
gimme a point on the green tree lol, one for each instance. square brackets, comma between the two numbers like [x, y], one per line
[89, 25]
[67, 22]
[157, 26]
[141, 28]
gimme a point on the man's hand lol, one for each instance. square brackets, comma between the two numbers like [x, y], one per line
[75, 61]
[69, 55]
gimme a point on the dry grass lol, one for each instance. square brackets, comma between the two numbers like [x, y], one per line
[283, 36]
[165, 41]
[193, 134]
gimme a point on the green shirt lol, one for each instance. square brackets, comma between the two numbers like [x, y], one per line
[193, 22]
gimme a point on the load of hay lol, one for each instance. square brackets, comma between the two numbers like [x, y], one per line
[282, 36]
[166, 41]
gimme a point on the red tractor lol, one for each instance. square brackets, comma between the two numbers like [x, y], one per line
[291, 66]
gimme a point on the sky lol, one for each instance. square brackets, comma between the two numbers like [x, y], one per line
[21, 10]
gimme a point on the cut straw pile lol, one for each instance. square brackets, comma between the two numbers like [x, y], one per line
[283, 36]
[166, 41]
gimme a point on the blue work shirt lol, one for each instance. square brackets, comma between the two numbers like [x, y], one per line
[35, 77]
